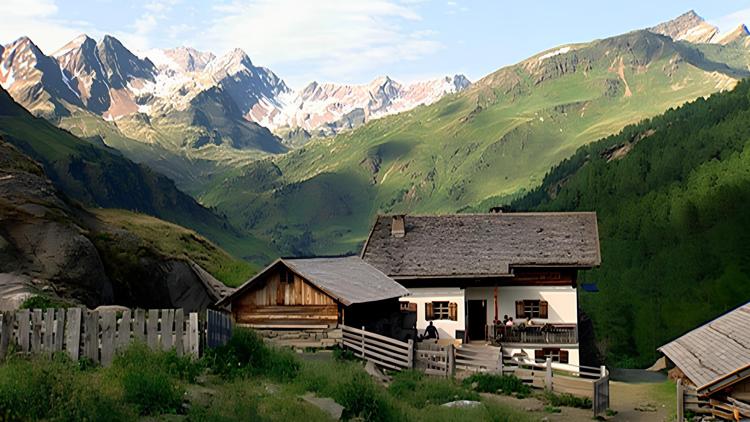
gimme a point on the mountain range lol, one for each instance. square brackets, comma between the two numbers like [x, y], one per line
[202, 112]
[476, 149]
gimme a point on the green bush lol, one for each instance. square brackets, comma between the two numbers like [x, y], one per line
[361, 397]
[43, 302]
[342, 354]
[55, 389]
[419, 390]
[246, 354]
[504, 384]
[566, 400]
[148, 378]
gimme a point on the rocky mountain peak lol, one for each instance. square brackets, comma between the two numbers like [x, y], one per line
[82, 41]
[739, 33]
[121, 64]
[689, 26]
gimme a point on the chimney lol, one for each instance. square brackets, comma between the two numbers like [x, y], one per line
[398, 227]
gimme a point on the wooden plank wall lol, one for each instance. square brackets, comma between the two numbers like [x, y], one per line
[273, 301]
[97, 335]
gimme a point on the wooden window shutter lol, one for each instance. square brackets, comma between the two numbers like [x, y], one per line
[453, 311]
[543, 309]
[539, 355]
[428, 315]
[520, 311]
[563, 356]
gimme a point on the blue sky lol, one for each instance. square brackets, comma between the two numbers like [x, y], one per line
[353, 41]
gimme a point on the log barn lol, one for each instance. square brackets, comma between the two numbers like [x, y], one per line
[302, 302]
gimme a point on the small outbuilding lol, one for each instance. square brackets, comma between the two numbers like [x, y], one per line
[305, 300]
[714, 361]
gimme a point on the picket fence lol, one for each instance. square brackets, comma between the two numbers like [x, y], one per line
[99, 335]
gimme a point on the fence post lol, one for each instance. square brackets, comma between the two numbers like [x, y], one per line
[548, 374]
[680, 401]
[6, 333]
[411, 353]
[602, 371]
[451, 360]
[500, 361]
[363, 342]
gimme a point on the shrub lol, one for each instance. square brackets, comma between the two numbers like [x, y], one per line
[40, 388]
[341, 354]
[567, 400]
[504, 384]
[246, 354]
[148, 378]
[362, 398]
[43, 302]
[420, 390]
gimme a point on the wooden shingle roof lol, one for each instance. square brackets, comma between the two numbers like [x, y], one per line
[348, 280]
[715, 351]
[483, 244]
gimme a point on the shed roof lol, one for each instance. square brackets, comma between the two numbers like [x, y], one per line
[715, 351]
[483, 244]
[349, 280]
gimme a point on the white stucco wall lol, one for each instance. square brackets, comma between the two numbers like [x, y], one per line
[562, 301]
[422, 295]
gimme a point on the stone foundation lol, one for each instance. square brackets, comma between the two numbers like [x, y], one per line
[314, 338]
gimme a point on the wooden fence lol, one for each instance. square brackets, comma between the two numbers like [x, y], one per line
[688, 401]
[382, 350]
[99, 335]
[434, 359]
[218, 328]
[479, 359]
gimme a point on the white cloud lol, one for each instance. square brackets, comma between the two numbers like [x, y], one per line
[37, 19]
[332, 38]
[731, 21]
[140, 38]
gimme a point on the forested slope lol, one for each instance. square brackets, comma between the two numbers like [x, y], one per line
[672, 195]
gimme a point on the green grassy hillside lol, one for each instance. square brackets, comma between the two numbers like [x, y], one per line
[671, 196]
[481, 147]
[100, 177]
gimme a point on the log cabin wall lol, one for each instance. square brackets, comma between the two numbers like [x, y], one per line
[282, 298]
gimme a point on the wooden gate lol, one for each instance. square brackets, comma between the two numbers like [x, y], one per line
[435, 360]
[218, 328]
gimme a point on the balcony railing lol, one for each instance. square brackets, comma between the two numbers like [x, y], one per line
[535, 334]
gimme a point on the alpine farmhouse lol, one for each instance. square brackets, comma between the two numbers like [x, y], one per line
[465, 272]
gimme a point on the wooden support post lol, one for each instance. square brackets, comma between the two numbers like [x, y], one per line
[680, 401]
[179, 331]
[24, 326]
[109, 326]
[548, 374]
[363, 342]
[59, 330]
[73, 333]
[139, 326]
[410, 352]
[167, 320]
[6, 331]
[152, 329]
[450, 360]
[193, 338]
[36, 331]
[91, 336]
[123, 331]
[49, 328]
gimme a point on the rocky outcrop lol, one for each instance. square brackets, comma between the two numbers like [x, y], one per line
[52, 246]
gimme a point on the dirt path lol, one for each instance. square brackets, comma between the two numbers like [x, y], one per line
[633, 402]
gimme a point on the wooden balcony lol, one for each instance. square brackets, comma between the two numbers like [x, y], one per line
[535, 334]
